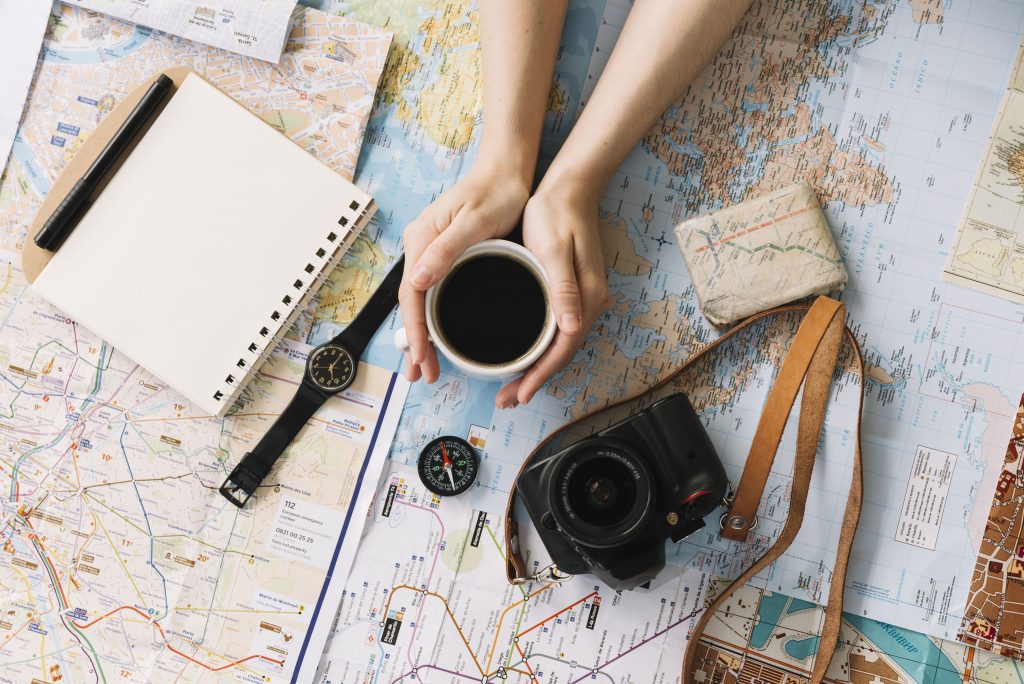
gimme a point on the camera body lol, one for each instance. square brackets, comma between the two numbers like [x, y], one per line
[606, 505]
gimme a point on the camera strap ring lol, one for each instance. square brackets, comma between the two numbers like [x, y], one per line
[549, 574]
[736, 522]
[810, 364]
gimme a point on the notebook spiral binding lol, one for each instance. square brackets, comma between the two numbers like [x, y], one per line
[296, 297]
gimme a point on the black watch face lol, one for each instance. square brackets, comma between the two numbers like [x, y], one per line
[331, 368]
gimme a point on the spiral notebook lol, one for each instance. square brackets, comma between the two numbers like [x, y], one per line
[205, 245]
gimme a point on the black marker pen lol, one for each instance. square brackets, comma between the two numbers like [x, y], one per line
[71, 209]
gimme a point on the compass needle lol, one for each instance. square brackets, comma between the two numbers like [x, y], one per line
[455, 458]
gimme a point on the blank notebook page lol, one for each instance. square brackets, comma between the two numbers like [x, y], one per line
[211, 225]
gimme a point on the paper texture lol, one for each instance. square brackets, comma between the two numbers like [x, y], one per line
[22, 23]
[256, 28]
[195, 233]
[759, 254]
[988, 249]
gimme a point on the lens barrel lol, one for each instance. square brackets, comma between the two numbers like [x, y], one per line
[602, 493]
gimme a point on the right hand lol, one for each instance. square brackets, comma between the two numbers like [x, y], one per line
[487, 203]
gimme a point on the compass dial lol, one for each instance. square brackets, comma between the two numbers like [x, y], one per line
[331, 368]
[448, 466]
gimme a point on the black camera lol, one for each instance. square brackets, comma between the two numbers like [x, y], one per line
[606, 504]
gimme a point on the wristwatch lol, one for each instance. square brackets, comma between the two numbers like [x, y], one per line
[330, 368]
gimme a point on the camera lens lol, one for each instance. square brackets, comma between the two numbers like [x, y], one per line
[602, 493]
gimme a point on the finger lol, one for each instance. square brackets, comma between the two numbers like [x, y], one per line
[557, 260]
[411, 303]
[412, 371]
[437, 258]
[410, 300]
[508, 395]
[430, 367]
[560, 353]
[564, 347]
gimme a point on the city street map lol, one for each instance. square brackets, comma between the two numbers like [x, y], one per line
[256, 28]
[119, 559]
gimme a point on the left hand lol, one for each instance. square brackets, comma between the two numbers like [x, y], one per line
[560, 228]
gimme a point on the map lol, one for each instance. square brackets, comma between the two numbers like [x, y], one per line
[256, 28]
[988, 250]
[759, 254]
[994, 618]
[119, 560]
[844, 83]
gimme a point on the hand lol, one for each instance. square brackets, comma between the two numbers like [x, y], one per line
[486, 203]
[560, 228]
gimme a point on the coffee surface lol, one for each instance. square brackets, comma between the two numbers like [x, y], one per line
[491, 310]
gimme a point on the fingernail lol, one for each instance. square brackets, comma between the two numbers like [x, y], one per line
[570, 322]
[421, 277]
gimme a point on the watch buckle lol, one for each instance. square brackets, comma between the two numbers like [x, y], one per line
[242, 480]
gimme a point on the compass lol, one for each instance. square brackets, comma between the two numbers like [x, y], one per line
[448, 466]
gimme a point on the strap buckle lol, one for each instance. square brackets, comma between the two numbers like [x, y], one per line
[549, 574]
[242, 480]
[736, 522]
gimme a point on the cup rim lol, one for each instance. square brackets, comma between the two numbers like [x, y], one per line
[494, 371]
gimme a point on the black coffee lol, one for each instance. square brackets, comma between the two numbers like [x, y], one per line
[491, 310]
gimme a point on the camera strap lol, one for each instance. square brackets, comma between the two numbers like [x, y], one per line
[811, 361]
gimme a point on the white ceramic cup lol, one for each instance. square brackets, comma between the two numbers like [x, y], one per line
[505, 371]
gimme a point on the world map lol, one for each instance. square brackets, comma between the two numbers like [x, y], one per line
[827, 101]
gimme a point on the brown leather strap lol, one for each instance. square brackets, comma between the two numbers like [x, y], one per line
[743, 512]
[812, 415]
[810, 363]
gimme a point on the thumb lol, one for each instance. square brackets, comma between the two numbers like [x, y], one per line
[437, 258]
[565, 291]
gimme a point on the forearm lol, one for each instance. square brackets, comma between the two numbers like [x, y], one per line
[520, 44]
[664, 45]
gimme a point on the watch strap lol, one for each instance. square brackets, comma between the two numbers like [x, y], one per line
[241, 484]
[357, 334]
